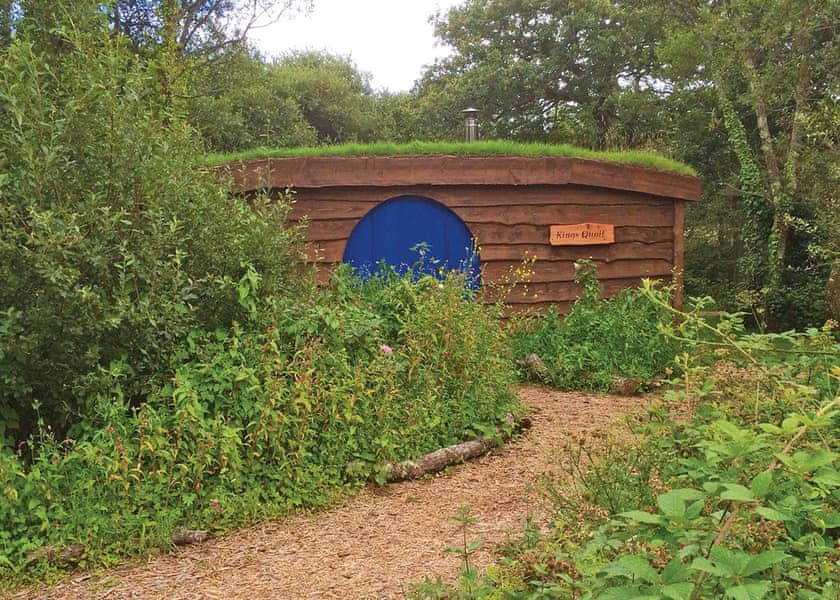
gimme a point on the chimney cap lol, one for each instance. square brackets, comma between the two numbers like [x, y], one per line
[471, 111]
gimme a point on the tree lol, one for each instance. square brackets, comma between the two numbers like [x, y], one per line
[773, 65]
[238, 105]
[115, 243]
[303, 98]
[334, 97]
[535, 65]
[186, 35]
[195, 28]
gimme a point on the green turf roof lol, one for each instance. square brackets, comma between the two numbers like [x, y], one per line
[641, 159]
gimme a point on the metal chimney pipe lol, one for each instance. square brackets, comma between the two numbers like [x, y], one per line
[471, 123]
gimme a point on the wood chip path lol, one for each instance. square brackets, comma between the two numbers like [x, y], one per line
[378, 543]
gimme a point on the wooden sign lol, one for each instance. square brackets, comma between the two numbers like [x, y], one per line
[582, 234]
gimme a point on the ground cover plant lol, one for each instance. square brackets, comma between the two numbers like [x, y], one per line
[731, 489]
[592, 348]
[259, 419]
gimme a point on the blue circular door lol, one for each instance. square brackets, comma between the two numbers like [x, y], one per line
[412, 232]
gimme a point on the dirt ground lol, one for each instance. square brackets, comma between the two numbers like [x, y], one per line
[380, 542]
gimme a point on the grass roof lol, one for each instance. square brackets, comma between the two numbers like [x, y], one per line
[482, 148]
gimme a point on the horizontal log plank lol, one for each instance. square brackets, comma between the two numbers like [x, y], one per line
[659, 246]
[476, 196]
[494, 233]
[606, 252]
[387, 171]
[618, 215]
[546, 271]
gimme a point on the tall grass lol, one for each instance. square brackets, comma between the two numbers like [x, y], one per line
[483, 148]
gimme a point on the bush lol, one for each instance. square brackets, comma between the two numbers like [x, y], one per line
[277, 413]
[114, 243]
[602, 344]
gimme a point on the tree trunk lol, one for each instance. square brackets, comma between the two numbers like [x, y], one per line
[832, 302]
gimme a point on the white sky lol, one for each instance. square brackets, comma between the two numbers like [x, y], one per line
[390, 39]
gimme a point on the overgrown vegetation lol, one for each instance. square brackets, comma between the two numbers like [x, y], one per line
[167, 362]
[259, 419]
[114, 243]
[734, 495]
[593, 348]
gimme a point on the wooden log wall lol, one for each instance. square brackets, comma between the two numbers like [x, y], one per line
[509, 205]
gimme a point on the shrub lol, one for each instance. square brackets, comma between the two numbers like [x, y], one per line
[277, 413]
[114, 243]
[602, 343]
[742, 499]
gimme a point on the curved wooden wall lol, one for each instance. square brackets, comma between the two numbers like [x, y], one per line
[508, 203]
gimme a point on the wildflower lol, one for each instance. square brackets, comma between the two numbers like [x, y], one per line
[387, 349]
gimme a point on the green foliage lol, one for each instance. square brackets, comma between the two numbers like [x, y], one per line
[243, 106]
[469, 581]
[519, 60]
[594, 347]
[744, 92]
[302, 99]
[741, 499]
[114, 243]
[277, 413]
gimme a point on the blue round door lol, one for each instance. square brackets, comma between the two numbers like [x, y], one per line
[411, 232]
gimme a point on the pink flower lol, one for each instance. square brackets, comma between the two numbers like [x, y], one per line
[387, 349]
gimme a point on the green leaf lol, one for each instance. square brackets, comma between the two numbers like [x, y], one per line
[761, 483]
[694, 509]
[791, 424]
[641, 517]
[731, 561]
[737, 492]
[626, 592]
[677, 591]
[749, 591]
[633, 567]
[703, 564]
[771, 514]
[762, 561]
[672, 503]
[828, 520]
[674, 571]
[827, 477]
[807, 462]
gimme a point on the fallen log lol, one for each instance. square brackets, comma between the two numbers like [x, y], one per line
[445, 457]
[74, 553]
[437, 460]
[68, 555]
[186, 536]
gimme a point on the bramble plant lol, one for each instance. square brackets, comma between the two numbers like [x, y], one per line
[592, 347]
[741, 500]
